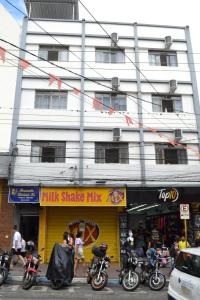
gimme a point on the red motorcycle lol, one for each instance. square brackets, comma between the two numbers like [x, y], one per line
[31, 268]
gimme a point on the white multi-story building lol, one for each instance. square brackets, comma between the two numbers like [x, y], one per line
[9, 31]
[126, 117]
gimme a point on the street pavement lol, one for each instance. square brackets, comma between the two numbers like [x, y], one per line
[79, 291]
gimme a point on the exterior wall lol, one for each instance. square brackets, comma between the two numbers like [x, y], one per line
[8, 75]
[64, 125]
[6, 217]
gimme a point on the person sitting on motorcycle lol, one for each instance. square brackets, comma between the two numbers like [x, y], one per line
[151, 255]
[30, 246]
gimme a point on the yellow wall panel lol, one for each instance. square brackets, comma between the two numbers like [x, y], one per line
[106, 218]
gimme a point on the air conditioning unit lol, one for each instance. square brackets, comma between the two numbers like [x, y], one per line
[178, 135]
[172, 86]
[168, 42]
[116, 134]
[115, 84]
[114, 39]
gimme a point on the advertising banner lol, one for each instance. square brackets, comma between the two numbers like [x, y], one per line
[23, 194]
[112, 197]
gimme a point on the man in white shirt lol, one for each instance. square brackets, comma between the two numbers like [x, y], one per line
[17, 245]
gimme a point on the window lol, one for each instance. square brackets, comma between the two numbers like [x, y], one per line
[116, 101]
[110, 56]
[50, 100]
[114, 153]
[169, 154]
[50, 152]
[54, 53]
[189, 264]
[165, 103]
[161, 58]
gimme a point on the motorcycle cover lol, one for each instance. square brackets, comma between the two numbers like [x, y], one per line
[61, 264]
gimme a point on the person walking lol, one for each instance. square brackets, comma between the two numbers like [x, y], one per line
[79, 255]
[17, 246]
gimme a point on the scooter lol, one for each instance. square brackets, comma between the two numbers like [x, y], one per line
[5, 260]
[128, 277]
[151, 273]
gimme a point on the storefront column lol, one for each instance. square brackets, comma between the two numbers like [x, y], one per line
[42, 233]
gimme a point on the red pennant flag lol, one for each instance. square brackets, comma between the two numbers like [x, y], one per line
[76, 91]
[128, 120]
[55, 78]
[24, 64]
[111, 111]
[97, 104]
[2, 53]
[152, 129]
[172, 142]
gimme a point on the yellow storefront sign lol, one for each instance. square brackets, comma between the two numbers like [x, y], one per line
[112, 197]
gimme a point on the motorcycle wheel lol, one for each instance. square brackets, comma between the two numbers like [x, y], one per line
[3, 276]
[132, 284]
[99, 284]
[157, 284]
[56, 284]
[29, 280]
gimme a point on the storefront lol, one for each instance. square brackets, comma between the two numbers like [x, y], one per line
[94, 211]
[25, 200]
[154, 214]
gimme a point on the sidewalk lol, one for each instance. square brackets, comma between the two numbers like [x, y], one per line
[16, 275]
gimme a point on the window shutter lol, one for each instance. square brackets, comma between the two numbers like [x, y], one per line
[123, 153]
[182, 156]
[60, 153]
[157, 105]
[35, 153]
[99, 154]
[159, 154]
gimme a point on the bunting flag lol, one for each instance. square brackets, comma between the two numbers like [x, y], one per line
[154, 130]
[24, 64]
[55, 78]
[172, 142]
[97, 104]
[128, 120]
[76, 91]
[111, 111]
[2, 53]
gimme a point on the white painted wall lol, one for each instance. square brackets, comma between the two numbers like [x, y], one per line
[10, 31]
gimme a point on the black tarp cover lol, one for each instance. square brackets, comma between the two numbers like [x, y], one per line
[61, 264]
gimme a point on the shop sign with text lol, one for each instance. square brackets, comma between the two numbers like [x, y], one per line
[26, 194]
[112, 197]
[168, 195]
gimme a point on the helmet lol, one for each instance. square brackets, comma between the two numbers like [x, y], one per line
[104, 246]
[30, 246]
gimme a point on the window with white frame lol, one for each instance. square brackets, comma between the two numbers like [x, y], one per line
[167, 103]
[169, 154]
[54, 53]
[50, 100]
[163, 58]
[115, 153]
[113, 56]
[50, 152]
[116, 101]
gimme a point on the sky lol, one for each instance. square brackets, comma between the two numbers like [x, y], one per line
[170, 12]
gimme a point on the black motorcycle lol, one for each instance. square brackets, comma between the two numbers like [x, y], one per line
[128, 277]
[96, 273]
[5, 260]
[150, 272]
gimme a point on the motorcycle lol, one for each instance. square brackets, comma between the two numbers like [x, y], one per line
[30, 273]
[96, 273]
[128, 277]
[150, 272]
[5, 260]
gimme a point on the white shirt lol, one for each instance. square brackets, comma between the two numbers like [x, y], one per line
[17, 240]
[23, 249]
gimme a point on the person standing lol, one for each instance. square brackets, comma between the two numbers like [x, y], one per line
[79, 255]
[17, 245]
[183, 243]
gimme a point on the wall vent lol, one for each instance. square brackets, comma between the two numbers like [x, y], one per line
[172, 86]
[178, 135]
[168, 42]
[114, 39]
[116, 134]
[115, 84]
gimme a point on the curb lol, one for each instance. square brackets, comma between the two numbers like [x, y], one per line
[42, 280]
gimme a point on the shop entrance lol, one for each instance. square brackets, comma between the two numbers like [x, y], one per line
[155, 222]
[29, 228]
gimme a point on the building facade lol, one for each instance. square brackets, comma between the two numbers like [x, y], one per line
[8, 75]
[108, 131]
